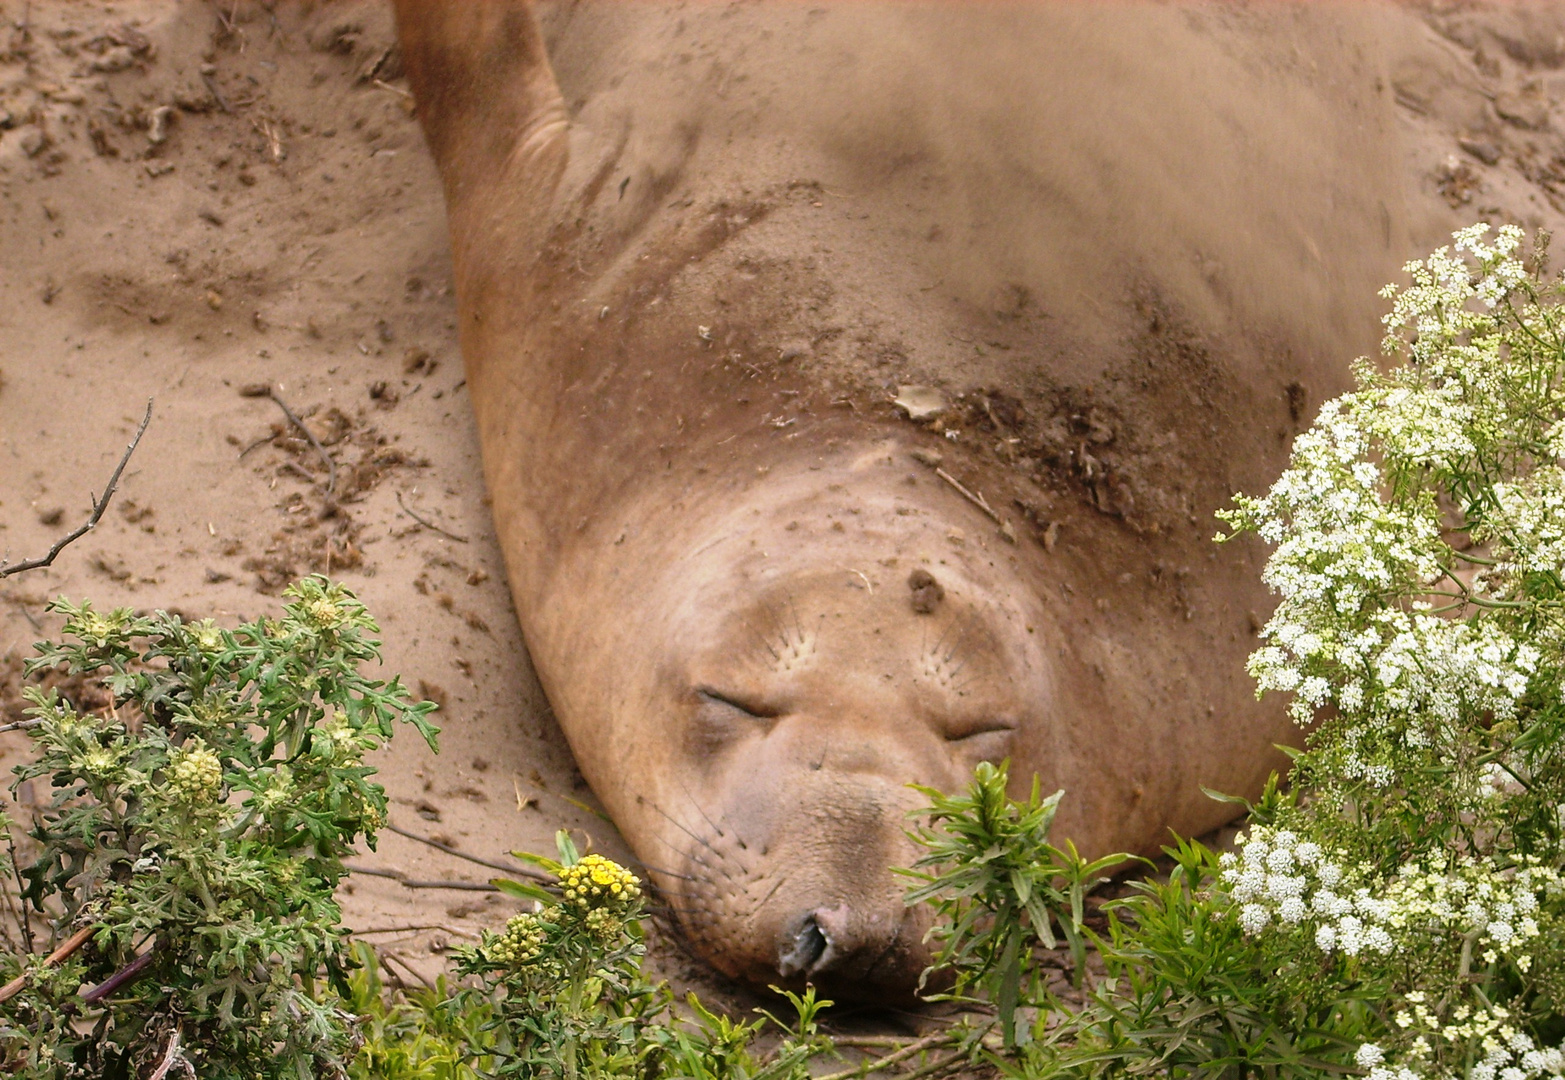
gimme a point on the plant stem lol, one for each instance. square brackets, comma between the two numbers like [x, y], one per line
[940, 1038]
[72, 943]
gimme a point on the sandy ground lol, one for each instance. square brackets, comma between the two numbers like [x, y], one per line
[199, 199]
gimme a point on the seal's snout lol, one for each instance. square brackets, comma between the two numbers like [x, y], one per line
[837, 943]
[807, 951]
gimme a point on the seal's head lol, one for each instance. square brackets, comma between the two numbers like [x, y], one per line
[828, 639]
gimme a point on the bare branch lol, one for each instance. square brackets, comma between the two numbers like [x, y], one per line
[413, 928]
[907, 1050]
[99, 505]
[171, 1057]
[409, 883]
[975, 499]
[121, 978]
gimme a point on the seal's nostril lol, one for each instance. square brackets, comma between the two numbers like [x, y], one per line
[801, 954]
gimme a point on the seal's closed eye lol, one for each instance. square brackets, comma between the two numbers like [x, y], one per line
[750, 708]
[958, 731]
[722, 719]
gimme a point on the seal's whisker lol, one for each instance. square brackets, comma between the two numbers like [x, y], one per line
[675, 894]
[760, 638]
[672, 820]
[934, 650]
[782, 628]
[797, 623]
[692, 856]
[770, 892]
[668, 873]
[715, 827]
[967, 624]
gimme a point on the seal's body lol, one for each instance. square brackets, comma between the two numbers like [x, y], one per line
[696, 257]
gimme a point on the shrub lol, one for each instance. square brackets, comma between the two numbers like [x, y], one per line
[188, 859]
[1420, 564]
[196, 832]
[998, 888]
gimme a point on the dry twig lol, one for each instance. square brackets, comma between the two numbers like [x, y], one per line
[331, 466]
[123, 977]
[172, 1057]
[928, 1042]
[411, 929]
[521, 871]
[976, 500]
[217, 95]
[429, 524]
[99, 505]
[409, 883]
[386, 957]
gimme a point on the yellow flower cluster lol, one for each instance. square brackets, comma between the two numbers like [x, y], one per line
[195, 775]
[521, 943]
[278, 792]
[596, 882]
[100, 762]
[322, 612]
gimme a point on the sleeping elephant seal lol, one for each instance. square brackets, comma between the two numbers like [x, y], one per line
[856, 384]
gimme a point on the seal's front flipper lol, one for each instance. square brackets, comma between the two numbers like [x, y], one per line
[488, 103]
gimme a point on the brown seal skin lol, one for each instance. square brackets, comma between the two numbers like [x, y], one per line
[695, 256]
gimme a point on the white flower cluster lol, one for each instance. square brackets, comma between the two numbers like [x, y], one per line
[1419, 537]
[1526, 533]
[1372, 1059]
[1339, 544]
[1452, 294]
[1407, 671]
[1356, 568]
[1295, 882]
[1504, 1051]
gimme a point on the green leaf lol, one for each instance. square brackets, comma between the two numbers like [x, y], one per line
[524, 890]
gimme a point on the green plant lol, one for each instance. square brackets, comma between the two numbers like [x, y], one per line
[197, 830]
[188, 858]
[563, 994]
[416, 1035]
[1421, 628]
[998, 888]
